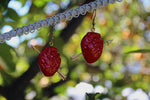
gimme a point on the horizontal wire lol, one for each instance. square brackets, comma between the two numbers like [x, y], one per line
[61, 17]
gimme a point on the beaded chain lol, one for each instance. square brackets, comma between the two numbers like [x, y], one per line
[61, 17]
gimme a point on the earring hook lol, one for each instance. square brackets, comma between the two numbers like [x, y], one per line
[51, 36]
[93, 21]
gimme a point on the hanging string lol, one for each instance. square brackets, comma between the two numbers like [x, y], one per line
[93, 21]
[51, 36]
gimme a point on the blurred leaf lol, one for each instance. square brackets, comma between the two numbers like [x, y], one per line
[6, 77]
[12, 14]
[61, 89]
[119, 83]
[55, 78]
[6, 55]
[139, 51]
[135, 51]
[2, 98]
[3, 5]
[40, 3]
[21, 66]
[93, 96]
[22, 1]
[1, 79]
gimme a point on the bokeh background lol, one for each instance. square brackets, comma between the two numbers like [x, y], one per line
[121, 73]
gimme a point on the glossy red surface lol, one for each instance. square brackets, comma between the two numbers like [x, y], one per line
[49, 61]
[92, 46]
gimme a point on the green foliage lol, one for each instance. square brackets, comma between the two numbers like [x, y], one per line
[3, 5]
[7, 58]
[6, 78]
[139, 51]
[10, 13]
[124, 62]
[92, 96]
[40, 3]
[96, 96]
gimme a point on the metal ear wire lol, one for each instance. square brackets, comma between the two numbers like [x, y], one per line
[51, 36]
[93, 21]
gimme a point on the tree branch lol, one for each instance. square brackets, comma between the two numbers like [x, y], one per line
[16, 89]
[24, 79]
[2, 90]
[49, 91]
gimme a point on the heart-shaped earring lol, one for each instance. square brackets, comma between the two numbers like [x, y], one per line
[49, 59]
[91, 45]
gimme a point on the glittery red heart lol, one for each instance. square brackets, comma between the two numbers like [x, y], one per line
[92, 46]
[49, 61]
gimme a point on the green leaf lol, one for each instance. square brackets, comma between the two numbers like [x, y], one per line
[92, 96]
[139, 51]
[3, 5]
[135, 51]
[22, 1]
[12, 14]
[6, 56]
[7, 79]
[40, 3]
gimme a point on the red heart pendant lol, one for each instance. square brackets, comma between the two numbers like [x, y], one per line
[49, 61]
[92, 46]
